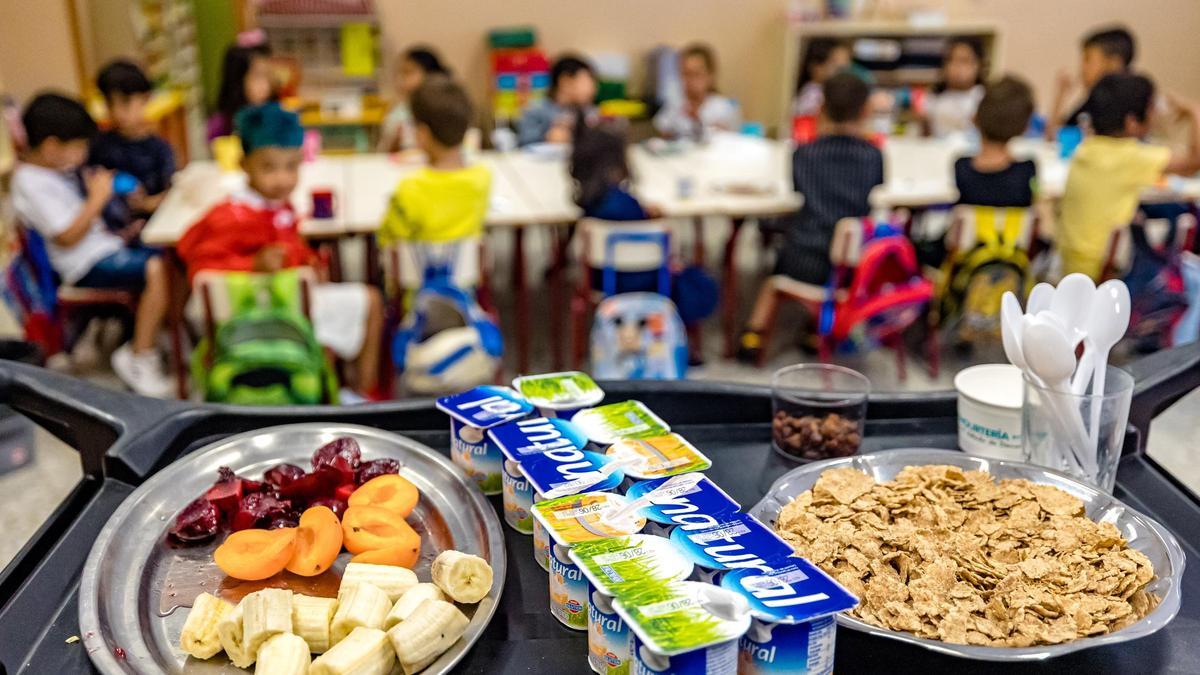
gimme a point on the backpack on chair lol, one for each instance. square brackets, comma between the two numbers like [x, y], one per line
[265, 353]
[447, 342]
[638, 336]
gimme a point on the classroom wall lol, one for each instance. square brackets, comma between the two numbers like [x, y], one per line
[1040, 36]
[35, 47]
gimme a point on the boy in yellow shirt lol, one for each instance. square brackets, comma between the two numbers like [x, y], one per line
[1111, 168]
[446, 200]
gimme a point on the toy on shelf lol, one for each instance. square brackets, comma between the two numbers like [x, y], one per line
[520, 72]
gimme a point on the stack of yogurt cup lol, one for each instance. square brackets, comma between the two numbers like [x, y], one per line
[644, 552]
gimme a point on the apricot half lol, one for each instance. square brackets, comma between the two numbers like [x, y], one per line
[318, 542]
[392, 492]
[251, 555]
[402, 555]
[366, 528]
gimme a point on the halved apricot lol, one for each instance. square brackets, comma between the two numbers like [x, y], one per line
[318, 542]
[402, 555]
[392, 492]
[251, 555]
[365, 528]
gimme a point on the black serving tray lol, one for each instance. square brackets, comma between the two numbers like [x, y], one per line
[123, 439]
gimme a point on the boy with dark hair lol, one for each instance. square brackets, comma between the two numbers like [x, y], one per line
[992, 177]
[1110, 169]
[447, 200]
[256, 230]
[551, 120]
[1103, 52]
[836, 174]
[130, 146]
[64, 206]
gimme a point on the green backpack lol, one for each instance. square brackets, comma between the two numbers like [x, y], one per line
[265, 353]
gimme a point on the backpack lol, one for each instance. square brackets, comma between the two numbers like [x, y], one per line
[447, 342]
[265, 353]
[30, 291]
[638, 336]
[972, 282]
[886, 293]
[1156, 287]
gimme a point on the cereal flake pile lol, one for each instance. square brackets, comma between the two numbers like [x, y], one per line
[952, 555]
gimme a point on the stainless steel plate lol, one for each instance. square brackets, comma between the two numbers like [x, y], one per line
[126, 575]
[1142, 533]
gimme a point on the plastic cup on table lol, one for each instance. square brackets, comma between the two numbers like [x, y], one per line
[819, 411]
[227, 151]
[1069, 138]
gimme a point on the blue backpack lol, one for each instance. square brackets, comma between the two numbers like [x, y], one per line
[435, 358]
[638, 336]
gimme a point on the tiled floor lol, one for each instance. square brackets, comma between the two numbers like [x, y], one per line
[29, 494]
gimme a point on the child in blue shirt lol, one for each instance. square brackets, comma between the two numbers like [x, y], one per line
[550, 120]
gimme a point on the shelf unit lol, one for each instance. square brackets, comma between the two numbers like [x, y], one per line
[797, 36]
[165, 31]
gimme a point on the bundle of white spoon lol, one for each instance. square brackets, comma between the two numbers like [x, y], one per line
[1043, 341]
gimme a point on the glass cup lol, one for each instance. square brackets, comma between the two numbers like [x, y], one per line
[1081, 436]
[819, 411]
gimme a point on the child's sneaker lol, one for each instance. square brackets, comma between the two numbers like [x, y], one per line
[141, 372]
[749, 347]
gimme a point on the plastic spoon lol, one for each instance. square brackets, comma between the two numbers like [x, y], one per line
[1051, 357]
[1039, 298]
[1108, 321]
[1010, 329]
[1072, 302]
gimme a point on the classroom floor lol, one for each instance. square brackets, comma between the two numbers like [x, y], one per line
[55, 467]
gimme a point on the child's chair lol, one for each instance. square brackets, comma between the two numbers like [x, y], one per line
[54, 316]
[616, 247]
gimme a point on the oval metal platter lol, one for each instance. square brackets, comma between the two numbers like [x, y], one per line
[136, 588]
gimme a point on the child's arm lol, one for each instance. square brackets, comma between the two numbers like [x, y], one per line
[99, 184]
[1055, 119]
[1188, 163]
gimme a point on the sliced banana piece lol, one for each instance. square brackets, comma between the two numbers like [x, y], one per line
[265, 613]
[200, 637]
[231, 634]
[311, 619]
[359, 605]
[391, 579]
[464, 577]
[426, 634]
[409, 602]
[365, 651]
[283, 654]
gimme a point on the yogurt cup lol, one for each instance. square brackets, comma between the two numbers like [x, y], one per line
[560, 394]
[526, 438]
[659, 456]
[471, 413]
[580, 518]
[730, 541]
[608, 638]
[541, 539]
[569, 472]
[990, 397]
[607, 424]
[792, 603]
[568, 590]
[683, 627]
[699, 505]
[518, 499]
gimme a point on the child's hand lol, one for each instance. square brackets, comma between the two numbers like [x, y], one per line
[270, 259]
[99, 185]
[131, 231]
[559, 133]
[653, 211]
[1064, 81]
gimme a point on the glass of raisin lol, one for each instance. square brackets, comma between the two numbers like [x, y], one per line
[819, 410]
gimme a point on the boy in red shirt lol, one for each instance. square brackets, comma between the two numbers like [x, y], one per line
[256, 230]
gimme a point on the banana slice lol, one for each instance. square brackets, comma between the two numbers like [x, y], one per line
[265, 613]
[464, 577]
[409, 602]
[200, 637]
[283, 654]
[359, 605]
[365, 651]
[311, 619]
[429, 631]
[231, 634]
[391, 579]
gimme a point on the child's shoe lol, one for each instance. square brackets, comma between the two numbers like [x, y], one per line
[749, 347]
[142, 373]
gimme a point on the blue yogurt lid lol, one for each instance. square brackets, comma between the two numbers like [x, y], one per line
[486, 406]
[705, 498]
[536, 435]
[570, 470]
[730, 541]
[789, 590]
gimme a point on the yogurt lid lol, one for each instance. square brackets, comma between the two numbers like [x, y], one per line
[627, 419]
[570, 471]
[659, 456]
[579, 518]
[560, 391]
[697, 504]
[730, 541]
[789, 590]
[536, 435]
[485, 406]
[682, 616]
[623, 562]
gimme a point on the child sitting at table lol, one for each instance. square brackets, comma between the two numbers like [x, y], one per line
[447, 200]
[836, 174]
[1110, 169]
[702, 109]
[951, 105]
[64, 207]
[131, 146]
[551, 120]
[411, 69]
[256, 230]
[992, 177]
[1106, 51]
[245, 81]
[824, 58]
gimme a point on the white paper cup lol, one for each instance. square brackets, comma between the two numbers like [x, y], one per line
[989, 410]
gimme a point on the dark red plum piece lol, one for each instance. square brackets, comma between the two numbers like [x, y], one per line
[342, 454]
[336, 505]
[376, 468]
[197, 522]
[259, 509]
[282, 475]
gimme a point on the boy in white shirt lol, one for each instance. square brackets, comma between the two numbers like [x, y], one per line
[702, 109]
[54, 199]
